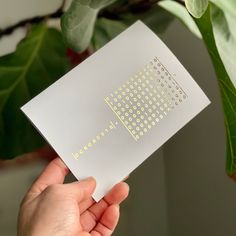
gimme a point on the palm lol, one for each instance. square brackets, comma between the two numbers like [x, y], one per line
[71, 206]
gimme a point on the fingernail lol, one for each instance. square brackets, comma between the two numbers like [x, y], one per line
[88, 179]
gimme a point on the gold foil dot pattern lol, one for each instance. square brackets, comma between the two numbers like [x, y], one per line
[146, 98]
[95, 140]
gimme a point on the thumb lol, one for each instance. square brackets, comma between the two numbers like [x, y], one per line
[81, 190]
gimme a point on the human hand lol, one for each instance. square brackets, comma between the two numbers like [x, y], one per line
[53, 208]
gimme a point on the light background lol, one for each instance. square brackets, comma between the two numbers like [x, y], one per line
[182, 189]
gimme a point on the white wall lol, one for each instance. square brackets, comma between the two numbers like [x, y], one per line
[201, 197]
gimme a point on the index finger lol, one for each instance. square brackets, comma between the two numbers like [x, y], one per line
[54, 173]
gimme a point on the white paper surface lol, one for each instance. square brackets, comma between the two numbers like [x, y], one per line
[111, 112]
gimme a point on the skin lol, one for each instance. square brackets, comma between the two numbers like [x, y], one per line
[53, 208]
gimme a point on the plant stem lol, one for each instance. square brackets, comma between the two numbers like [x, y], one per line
[133, 7]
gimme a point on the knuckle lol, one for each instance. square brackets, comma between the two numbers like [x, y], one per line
[53, 189]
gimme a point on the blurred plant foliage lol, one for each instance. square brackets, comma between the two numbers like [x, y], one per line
[40, 58]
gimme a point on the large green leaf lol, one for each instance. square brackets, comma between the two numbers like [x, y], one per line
[37, 62]
[78, 22]
[224, 29]
[105, 30]
[228, 91]
[182, 14]
[196, 7]
[226, 5]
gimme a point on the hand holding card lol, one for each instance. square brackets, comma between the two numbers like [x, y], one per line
[110, 113]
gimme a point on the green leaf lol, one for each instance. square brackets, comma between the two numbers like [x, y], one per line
[37, 62]
[224, 29]
[156, 18]
[226, 6]
[78, 22]
[182, 14]
[105, 30]
[228, 91]
[196, 7]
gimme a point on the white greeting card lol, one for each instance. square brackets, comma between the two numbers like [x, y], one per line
[111, 112]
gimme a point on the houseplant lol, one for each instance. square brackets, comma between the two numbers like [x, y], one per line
[43, 56]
